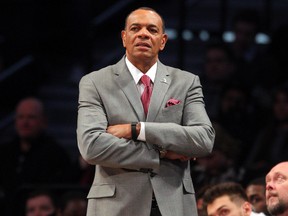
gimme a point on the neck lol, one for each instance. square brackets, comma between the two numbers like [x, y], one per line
[25, 145]
[142, 65]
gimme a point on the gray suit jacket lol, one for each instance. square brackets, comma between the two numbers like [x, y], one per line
[121, 186]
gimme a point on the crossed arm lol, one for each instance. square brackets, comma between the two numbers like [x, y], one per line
[124, 131]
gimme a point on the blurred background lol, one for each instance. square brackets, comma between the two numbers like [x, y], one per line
[46, 46]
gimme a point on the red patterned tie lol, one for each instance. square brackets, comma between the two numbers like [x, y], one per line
[145, 97]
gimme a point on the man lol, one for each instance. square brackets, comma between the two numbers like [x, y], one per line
[73, 203]
[227, 199]
[32, 157]
[40, 203]
[219, 70]
[142, 153]
[255, 191]
[277, 189]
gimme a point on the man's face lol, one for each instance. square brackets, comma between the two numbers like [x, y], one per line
[29, 119]
[39, 206]
[245, 33]
[75, 208]
[256, 196]
[143, 36]
[276, 189]
[223, 206]
[217, 65]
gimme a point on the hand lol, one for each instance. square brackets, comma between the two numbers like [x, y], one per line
[120, 130]
[175, 156]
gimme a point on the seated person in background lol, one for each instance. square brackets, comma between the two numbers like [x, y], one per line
[270, 146]
[255, 191]
[227, 199]
[40, 203]
[73, 203]
[32, 157]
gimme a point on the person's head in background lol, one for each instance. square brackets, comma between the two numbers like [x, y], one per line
[226, 199]
[245, 26]
[255, 191]
[40, 203]
[219, 63]
[30, 120]
[234, 98]
[73, 203]
[277, 189]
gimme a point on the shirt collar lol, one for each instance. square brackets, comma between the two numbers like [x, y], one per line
[137, 74]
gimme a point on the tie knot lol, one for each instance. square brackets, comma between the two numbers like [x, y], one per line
[145, 80]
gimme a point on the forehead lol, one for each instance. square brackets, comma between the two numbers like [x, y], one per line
[220, 202]
[144, 16]
[42, 199]
[280, 168]
[29, 106]
[252, 189]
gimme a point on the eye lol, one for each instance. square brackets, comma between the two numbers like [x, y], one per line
[280, 179]
[134, 28]
[255, 199]
[224, 212]
[153, 30]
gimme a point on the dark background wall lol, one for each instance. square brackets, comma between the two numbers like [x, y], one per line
[47, 45]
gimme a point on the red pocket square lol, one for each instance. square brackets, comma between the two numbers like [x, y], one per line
[172, 102]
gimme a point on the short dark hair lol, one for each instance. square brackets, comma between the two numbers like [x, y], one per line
[257, 181]
[234, 190]
[148, 9]
[222, 47]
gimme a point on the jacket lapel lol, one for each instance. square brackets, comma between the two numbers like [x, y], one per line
[161, 85]
[126, 83]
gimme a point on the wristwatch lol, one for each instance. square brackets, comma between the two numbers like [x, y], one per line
[162, 152]
[134, 134]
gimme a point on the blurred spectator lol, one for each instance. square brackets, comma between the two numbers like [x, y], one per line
[238, 117]
[219, 68]
[40, 203]
[255, 191]
[246, 24]
[219, 166]
[271, 143]
[229, 199]
[73, 203]
[32, 157]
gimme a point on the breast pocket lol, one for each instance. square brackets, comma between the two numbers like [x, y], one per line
[172, 114]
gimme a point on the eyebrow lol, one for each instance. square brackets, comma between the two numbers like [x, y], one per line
[138, 24]
[218, 209]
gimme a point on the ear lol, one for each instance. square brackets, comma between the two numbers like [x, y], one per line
[246, 208]
[163, 41]
[123, 36]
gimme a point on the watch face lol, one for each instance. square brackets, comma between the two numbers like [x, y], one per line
[162, 153]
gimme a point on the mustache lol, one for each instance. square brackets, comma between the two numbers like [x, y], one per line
[272, 194]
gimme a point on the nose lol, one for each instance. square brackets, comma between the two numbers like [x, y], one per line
[269, 186]
[143, 33]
